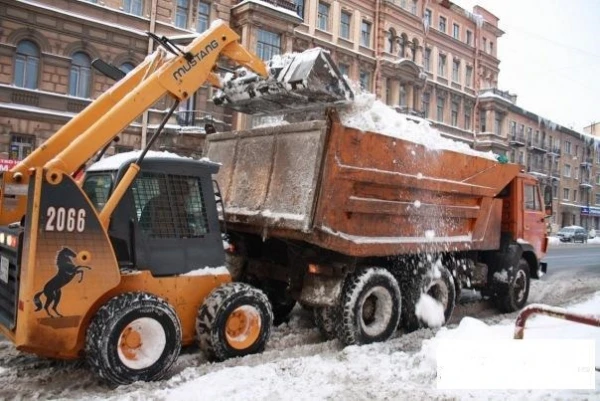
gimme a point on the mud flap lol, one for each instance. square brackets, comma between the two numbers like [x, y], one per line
[319, 290]
[296, 81]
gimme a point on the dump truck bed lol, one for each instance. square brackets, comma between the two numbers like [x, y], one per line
[357, 193]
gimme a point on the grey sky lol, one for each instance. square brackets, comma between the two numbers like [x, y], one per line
[550, 56]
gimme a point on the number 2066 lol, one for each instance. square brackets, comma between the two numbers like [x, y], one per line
[61, 219]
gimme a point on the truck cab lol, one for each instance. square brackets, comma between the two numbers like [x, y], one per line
[167, 221]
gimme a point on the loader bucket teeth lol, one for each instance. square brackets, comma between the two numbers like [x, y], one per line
[296, 82]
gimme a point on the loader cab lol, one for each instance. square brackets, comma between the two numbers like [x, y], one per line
[167, 221]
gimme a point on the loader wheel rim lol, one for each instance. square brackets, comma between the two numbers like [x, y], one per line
[376, 311]
[242, 328]
[141, 343]
[520, 285]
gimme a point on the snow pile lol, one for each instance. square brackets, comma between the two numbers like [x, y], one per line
[114, 162]
[430, 311]
[369, 114]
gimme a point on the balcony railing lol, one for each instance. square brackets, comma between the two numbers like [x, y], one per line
[587, 162]
[537, 168]
[517, 140]
[586, 183]
[538, 146]
[287, 4]
[554, 150]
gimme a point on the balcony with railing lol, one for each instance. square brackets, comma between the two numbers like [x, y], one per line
[537, 146]
[516, 139]
[554, 174]
[588, 162]
[554, 151]
[537, 169]
[586, 183]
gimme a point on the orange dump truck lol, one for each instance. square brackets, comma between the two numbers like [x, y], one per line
[367, 229]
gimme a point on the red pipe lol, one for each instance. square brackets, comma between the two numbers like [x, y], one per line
[551, 311]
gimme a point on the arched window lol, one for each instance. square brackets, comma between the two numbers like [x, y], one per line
[403, 43]
[126, 67]
[391, 36]
[80, 77]
[415, 49]
[27, 64]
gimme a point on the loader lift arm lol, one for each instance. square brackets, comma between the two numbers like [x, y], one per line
[177, 75]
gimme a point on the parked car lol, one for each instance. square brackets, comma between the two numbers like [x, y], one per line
[592, 234]
[572, 234]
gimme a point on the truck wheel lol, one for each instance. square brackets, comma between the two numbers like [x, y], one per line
[515, 296]
[133, 337]
[234, 320]
[325, 318]
[370, 307]
[443, 289]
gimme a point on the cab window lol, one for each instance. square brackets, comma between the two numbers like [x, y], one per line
[97, 187]
[532, 198]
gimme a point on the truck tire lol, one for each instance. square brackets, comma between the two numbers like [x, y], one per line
[325, 318]
[234, 320]
[370, 307]
[443, 289]
[515, 296]
[133, 337]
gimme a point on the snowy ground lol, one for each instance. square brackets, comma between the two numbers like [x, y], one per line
[299, 365]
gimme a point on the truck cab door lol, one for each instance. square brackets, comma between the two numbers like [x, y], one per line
[534, 222]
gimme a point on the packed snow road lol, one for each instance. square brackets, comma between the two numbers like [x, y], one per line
[298, 364]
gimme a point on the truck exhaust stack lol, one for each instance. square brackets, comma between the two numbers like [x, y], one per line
[297, 81]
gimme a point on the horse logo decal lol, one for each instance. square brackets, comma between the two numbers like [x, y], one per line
[67, 270]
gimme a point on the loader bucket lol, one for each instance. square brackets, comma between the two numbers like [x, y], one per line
[296, 82]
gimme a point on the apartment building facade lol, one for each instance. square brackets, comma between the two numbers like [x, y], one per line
[428, 58]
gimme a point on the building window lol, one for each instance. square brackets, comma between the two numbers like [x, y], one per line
[80, 77]
[365, 34]
[484, 40]
[442, 24]
[27, 64]
[402, 44]
[344, 68]
[497, 124]
[513, 128]
[521, 157]
[203, 17]
[365, 80]
[126, 67]
[391, 37]
[454, 116]
[427, 18]
[268, 45]
[181, 13]
[555, 190]
[425, 104]
[20, 146]
[566, 194]
[469, 77]
[598, 199]
[323, 17]
[567, 171]
[440, 109]
[345, 25]
[133, 6]
[427, 59]
[469, 37]
[568, 147]
[388, 91]
[456, 31]
[402, 95]
[442, 65]
[456, 70]
[491, 47]
[413, 7]
[299, 8]
[468, 114]
[482, 124]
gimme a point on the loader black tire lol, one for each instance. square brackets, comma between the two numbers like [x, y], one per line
[135, 336]
[442, 289]
[325, 318]
[514, 297]
[370, 307]
[251, 314]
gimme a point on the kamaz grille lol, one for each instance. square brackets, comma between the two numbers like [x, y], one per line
[9, 279]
